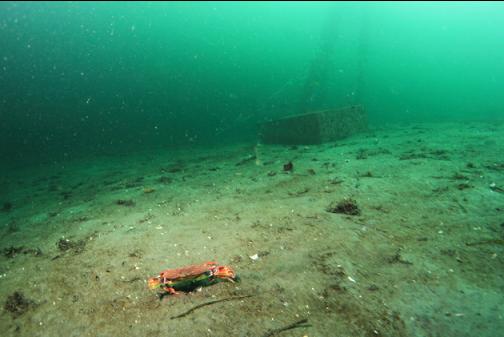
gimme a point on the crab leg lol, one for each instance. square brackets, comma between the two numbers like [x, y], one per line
[170, 290]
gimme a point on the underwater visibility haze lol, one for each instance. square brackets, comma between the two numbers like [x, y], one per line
[252, 168]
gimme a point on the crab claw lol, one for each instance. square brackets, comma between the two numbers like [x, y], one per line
[170, 290]
[153, 283]
[225, 272]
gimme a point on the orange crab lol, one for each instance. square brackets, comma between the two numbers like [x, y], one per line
[190, 277]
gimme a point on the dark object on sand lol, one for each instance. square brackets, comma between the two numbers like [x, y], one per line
[209, 303]
[127, 203]
[17, 304]
[315, 127]
[288, 167]
[12, 251]
[463, 186]
[373, 287]
[345, 206]
[7, 206]
[361, 154]
[299, 324]
[165, 180]
[65, 245]
[459, 176]
[397, 258]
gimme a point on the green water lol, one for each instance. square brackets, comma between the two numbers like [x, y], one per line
[85, 78]
[129, 144]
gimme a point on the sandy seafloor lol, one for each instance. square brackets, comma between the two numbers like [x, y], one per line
[424, 258]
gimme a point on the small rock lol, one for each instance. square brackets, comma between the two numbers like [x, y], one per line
[288, 167]
[127, 203]
[17, 304]
[346, 206]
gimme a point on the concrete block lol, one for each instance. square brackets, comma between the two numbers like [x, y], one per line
[314, 127]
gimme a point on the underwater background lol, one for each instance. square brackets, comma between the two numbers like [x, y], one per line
[87, 78]
[132, 142]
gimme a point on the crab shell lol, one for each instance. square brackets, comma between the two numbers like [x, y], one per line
[187, 272]
[168, 276]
